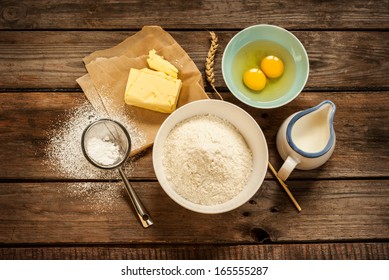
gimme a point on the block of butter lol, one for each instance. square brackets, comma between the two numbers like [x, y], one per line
[152, 90]
[158, 63]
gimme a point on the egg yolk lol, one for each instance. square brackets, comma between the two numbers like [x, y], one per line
[254, 79]
[272, 66]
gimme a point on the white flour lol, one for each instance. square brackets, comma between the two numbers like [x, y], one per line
[63, 150]
[103, 151]
[65, 159]
[207, 160]
[97, 197]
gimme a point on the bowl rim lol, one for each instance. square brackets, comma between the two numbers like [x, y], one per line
[254, 183]
[256, 104]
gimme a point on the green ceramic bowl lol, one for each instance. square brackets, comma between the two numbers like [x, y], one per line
[246, 49]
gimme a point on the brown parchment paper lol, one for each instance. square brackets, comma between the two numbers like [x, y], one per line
[108, 70]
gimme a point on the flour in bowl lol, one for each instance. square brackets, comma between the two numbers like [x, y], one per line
[207, 160]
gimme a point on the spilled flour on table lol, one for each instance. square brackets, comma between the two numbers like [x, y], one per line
[98, 197]
[63, 150]
[64, 156]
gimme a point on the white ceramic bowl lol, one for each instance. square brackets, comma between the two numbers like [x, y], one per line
[249, 129]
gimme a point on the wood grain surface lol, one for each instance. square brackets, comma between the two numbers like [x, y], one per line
[51, 59]
[327, 251]
[332, 210]
[205, 14]
[360, 124]
[45, 213]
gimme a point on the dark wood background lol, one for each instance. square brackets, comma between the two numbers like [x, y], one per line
[345, 202]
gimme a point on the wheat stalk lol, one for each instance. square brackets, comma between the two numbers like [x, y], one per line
[210, 61]
[285, 187]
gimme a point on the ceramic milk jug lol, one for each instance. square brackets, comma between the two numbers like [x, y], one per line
[306, 139]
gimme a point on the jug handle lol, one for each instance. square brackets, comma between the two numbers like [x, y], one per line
[287, 168]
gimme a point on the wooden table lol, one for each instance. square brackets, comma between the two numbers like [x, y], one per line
[345, 202]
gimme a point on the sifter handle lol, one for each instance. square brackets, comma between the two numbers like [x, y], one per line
[144, 217]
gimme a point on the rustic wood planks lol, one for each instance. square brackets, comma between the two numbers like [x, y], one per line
[51, 59]
[311, 14]
[321, 251]
[75, 212]
[28, 118]
[45, 214]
